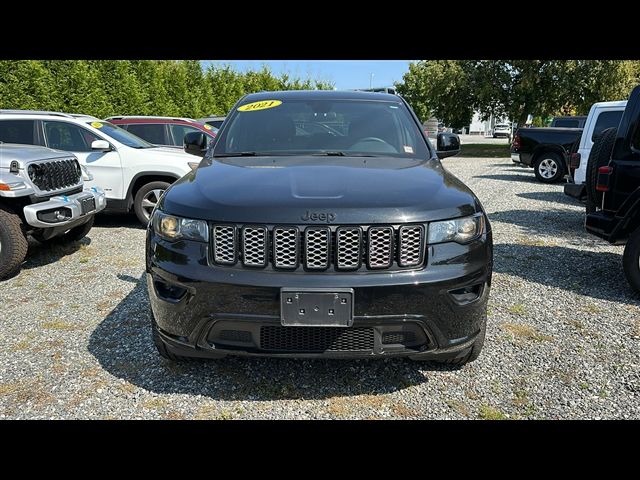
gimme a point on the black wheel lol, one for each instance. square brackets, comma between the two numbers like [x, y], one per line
[549, 167]
[73, 235]
[161, 347]
[146, 199]
[631, 260]
[13, 243]
[598, 157]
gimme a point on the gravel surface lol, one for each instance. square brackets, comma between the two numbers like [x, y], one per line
[562, 338]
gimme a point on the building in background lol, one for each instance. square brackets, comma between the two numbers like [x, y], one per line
[484, 127]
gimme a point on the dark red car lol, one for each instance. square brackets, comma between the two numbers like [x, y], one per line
[165, 131]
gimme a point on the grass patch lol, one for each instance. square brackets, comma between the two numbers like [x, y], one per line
[401, 410]
[485, 150]
[534, 242]
[526, 331]
[592, 308]
[459, 407]
[520, 398]
[490, 413]
[154, 403]
[58, 325]
[517, 309]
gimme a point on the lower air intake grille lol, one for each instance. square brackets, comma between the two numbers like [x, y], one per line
[316, 339]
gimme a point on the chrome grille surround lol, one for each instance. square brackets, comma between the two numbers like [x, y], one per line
[285, 247]
[411, 251]
[348, 248]
[380, 247]
[225, 244]
[254, 246]
[317, 241]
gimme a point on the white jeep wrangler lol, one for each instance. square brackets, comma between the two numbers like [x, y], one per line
[42, 194]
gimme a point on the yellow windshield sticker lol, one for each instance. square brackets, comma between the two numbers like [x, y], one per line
[207, 127]
[96, 124]
[264, 104]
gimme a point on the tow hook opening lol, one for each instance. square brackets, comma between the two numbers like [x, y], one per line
[467, 294]
[55, 215]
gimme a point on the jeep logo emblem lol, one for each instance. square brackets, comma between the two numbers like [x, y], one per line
[318, 216]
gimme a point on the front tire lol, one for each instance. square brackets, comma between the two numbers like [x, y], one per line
[146, 199]
[13, 243]
[631, 260]
[549, 167]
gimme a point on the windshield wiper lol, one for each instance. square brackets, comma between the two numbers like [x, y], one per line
[342, 154]
[330, 154]
[236, 154]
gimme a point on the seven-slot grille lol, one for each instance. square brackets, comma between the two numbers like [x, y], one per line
[56, 175]
[316, 248]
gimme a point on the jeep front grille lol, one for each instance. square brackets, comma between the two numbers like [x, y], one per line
[55, 175]
[254, 246]
[317, 248]
[411, 245]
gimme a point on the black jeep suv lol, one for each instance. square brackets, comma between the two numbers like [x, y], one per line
[613, 187]
[320, 224]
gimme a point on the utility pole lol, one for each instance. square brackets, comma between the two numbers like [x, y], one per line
[371, 75]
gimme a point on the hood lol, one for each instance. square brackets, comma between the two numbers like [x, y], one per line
[25, 154]
[168, 153]
[339, 190]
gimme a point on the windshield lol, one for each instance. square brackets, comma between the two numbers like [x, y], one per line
[120, 134]
[322, 127]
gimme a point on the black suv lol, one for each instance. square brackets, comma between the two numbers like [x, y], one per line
[613, 187]
[348, 240]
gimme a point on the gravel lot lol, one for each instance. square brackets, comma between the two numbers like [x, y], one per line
[562, 338]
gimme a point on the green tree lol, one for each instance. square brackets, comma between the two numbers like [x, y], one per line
[26, 84]
[516, 88]
[441, 88]
[140, 87]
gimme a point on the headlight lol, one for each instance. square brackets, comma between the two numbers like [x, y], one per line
[461, 230]
[172, 228]
[86, 175]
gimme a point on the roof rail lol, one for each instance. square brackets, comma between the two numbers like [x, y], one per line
[82, 115]
[391, 90]
[35, 112]
[118, 117]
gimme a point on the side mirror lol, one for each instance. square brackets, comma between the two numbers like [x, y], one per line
[101, 145]
[447, 145]
[195, 143]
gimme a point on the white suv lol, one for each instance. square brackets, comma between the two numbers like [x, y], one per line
[502, 130]
[132, 172]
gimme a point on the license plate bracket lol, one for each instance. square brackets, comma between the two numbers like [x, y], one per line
[316, 307]
[87, 205]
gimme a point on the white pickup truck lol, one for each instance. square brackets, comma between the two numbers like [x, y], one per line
[602, 115]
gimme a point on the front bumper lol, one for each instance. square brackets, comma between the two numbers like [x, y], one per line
[65, 210]
[202, 310]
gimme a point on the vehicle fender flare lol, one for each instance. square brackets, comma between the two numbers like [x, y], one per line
[541, 149]
[153, 176]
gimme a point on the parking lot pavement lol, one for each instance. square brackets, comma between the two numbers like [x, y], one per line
[562, 338]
